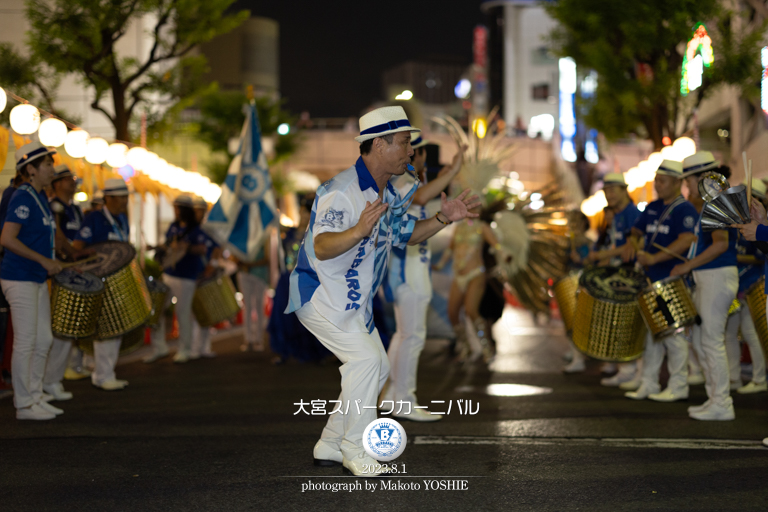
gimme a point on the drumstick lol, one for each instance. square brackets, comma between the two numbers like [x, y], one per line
[748, 176]
[671, 253]
[79, 262]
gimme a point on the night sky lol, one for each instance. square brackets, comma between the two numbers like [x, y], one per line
[332, 54]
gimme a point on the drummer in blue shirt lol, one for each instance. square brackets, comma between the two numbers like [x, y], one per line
[108, 224]
[625, 213]
[29, 236]
[751, 269]
[201, 336]
[669, 222]
[183, 265]
[713, 264]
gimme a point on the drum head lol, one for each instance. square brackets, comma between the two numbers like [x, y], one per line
[157, 286]
[83, 283]
[110, 257]
[613, 284]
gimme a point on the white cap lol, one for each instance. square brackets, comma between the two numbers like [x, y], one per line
[383, 121]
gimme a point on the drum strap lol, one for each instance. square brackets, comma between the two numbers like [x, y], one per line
[665, 214]
[46, 215]
[117, 229]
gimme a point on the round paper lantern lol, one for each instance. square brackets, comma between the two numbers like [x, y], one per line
[117, 155]
[76, 143]
[96, 151]
[52, 133]
[3, 99]
[25, 119]
[137, 158]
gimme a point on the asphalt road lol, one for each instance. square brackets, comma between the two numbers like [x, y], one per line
[221, 434]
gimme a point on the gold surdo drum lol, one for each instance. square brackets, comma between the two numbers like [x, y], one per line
[127, 302]
[667, 306]
[608, 325]
[214, 300]
[565, 293]
[76, 299]
[756, 303]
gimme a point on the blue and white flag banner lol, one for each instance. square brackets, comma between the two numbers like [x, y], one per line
[246, 208]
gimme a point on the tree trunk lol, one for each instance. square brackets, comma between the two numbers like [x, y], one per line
[121, 118]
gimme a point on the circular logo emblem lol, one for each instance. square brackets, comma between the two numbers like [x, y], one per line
[384, 439]
[688, 222]
[22, 212]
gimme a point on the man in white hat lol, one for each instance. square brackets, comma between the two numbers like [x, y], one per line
[69, 219]
[713, 263]
[409, 284]
[625, 213]
[669, 222]
[28, 235]
[357, 218]
[751, 268]
[108, 224]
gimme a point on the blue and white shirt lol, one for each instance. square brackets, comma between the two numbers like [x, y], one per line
[621, 227]
[341, 288]
[726, 259]
[409, 264]
[30, 209]
[681, 219]
[190, 266]
[101, 226]
[70, 217]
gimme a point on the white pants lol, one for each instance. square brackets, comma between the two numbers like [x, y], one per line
[715, 290]
[105, 354]
[677, 363]
[363, 373]
[201, 339]
[253, 289]
[157, 337]
[743, 319]
[32, 338]
[58, 358]
[407, 343]
[184, 291]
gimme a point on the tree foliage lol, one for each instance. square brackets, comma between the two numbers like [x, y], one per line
[623, 41]
[82, 37]
[221, 119]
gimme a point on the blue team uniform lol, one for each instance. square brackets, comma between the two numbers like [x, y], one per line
[190, 266]
[30, 209]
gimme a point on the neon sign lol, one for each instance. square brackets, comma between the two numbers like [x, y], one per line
[698, 55]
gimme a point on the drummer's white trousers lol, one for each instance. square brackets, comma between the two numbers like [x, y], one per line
[363, 373]
[184, 291]
[743, 319]
[715, 290]
[253, 289]
[677, 363]
[58, 358]
[407, 343]
[32, 338]
[105, 355]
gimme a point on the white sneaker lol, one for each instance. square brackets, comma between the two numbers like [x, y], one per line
[765, 441]
[575, 366]
[632, 385]
[753, 388]
[57, 391]
[325, 455]
[360, 464]
[72, 374]
[669, 396]
[112, 385]
[715, 413]
[154, 357]
[641, 394]
[695, 379]
[180, 358]
[699, 408]
[50, 408]
[35, 412]
[45, 397]
[418, 415]
[617, 380]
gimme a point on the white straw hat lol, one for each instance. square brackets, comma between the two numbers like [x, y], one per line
[417, 141]
[115, 187]
[670, 168]
[614, 178]
[699, 162]
[31, 152]
[383, 121]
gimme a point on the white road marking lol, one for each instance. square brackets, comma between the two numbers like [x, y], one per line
[680, 444]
